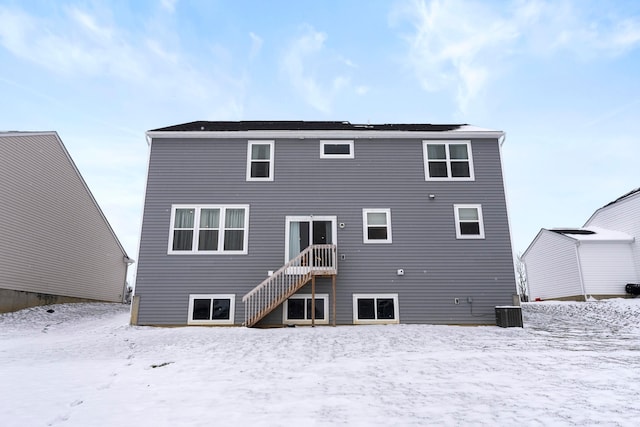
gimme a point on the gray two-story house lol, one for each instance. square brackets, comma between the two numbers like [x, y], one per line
[292, 222]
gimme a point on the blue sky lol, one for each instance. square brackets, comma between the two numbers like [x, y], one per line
[561, 78]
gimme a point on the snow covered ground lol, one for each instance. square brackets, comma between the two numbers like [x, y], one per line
[82, 365]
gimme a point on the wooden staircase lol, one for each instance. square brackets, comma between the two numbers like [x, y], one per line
[315, 260]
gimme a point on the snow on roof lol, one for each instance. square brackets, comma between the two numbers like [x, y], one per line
[593, 234]
[471, 128]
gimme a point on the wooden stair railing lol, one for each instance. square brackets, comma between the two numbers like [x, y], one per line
[274, 290]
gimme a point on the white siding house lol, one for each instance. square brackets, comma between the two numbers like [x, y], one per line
[597, 260]
[55, 242]
[623, 215]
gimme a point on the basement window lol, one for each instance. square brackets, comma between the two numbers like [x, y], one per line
[297, 309]
[214, 309]
[375, 308]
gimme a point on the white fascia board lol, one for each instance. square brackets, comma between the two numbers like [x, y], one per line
[613, 205]
[328, 134]
[539, 235]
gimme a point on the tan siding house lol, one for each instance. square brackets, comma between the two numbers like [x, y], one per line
[55, 243]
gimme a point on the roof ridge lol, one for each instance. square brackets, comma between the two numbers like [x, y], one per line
[265, 125]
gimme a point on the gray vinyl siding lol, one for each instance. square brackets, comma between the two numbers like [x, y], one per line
[384, 174]
[53, 237]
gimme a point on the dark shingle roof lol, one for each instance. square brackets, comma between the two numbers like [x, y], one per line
[624, 196]
[204, 126]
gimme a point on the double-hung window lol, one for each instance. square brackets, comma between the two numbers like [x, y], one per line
[445, 161]
[375, 308]
[212, 229]
[260, 155]
[297, 309]
[211, 309]
[469, 223]
[376, 225]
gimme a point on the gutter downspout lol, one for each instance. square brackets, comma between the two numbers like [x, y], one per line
[584, 291]
[514, 255]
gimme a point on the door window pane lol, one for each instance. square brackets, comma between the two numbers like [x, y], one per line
[321, 232]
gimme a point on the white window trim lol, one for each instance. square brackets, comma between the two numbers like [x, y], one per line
[285, 307]
[298, 218]
[365, 226]
[194, 243]
[232, 309]
[272, 156]
[396, 309]
[456, 214]
[471, 176]
[324, 142]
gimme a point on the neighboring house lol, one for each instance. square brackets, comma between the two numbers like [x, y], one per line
[597, 260]
[55, 243]
[291, 222]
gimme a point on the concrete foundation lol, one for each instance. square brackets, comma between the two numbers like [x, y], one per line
[11, 300]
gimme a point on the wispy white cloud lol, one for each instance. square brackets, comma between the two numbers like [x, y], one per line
[169, 5]
[458, 45]
[317, 73]
[87, 44]
[256, 45]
